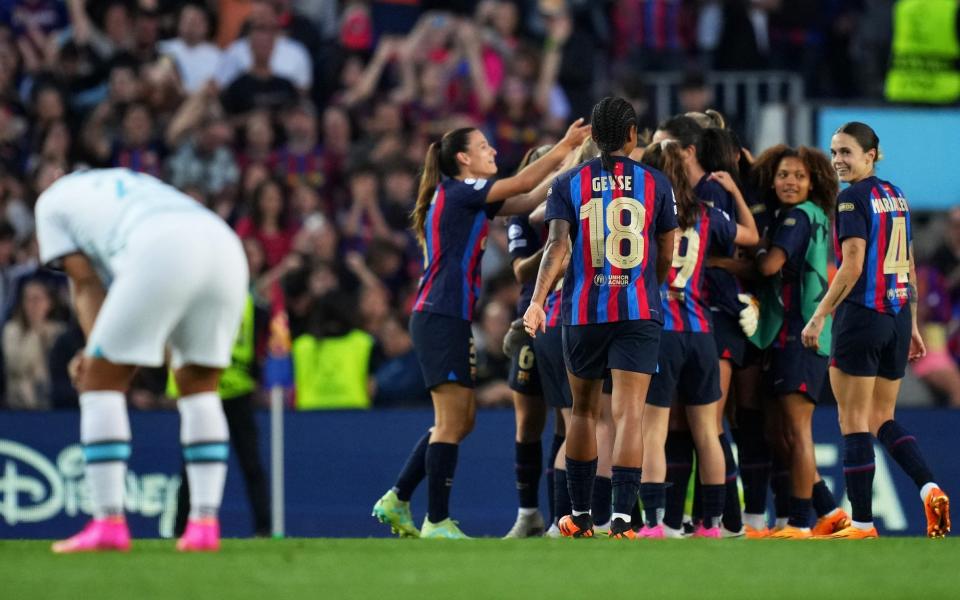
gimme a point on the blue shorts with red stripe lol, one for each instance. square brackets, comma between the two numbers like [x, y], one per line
[867, 343]
[444, 348]
[553, 372]
[688, 367]
[730, 340]
[524, 370]
[588, 350]
[796, 369]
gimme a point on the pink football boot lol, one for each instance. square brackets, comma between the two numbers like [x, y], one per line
[652, 533]
[99, 535]
[202, 535]
[708, 532]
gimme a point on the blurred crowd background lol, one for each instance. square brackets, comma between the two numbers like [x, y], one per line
[303, 124]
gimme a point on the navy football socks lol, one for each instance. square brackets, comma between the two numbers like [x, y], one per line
[626, 487]
[800, 512]
[561, 495]
[754, 460]
[858, 470]
[441, 465]
[654, 498]
[601, 507]
[580, 476]
[550, 477]
[781, 485]
[414, 470]
[528, 467]
[679, 453]
[713, 500]
[732, 516]
[823, 501]
[904, 449]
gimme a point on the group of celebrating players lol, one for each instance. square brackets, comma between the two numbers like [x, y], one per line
[661, 279]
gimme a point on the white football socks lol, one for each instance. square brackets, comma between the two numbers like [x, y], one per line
[204, 437]
[105, 435]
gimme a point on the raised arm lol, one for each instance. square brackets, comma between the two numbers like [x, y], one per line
[747, 234]
[525, 269]
[537, 171]
[558, 32]
[551, 265]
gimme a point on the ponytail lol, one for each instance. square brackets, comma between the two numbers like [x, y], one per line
[441, 160]
[667, 157]
[429, 180]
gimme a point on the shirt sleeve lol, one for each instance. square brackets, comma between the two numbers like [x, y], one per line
[521, 241]
[53, 236]
[712, 194]
[723, 231]
[667, 208]
[793, 233]
[558, 204]
[852, 215]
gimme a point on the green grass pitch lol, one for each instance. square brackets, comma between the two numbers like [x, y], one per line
[529, 569]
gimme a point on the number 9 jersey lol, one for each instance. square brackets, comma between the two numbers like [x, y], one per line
[876, 211]
[615, 217]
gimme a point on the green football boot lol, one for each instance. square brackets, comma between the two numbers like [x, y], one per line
[391, 510]
[446, 529]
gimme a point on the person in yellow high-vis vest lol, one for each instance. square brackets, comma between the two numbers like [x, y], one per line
[925, 59]
[237, 387]
[332, 372]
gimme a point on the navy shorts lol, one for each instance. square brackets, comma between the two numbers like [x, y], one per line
[798, 369]
[867, 343]
[689, 367]
[445, 350]
[524, 370]
[730, 339]
[588, 350]
[553, 372]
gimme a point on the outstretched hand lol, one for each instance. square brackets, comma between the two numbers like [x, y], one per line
[576, 133]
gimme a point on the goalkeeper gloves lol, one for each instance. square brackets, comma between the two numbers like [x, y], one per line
[515, 339]
[750, 314]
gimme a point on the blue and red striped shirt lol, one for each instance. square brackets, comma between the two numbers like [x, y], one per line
[456, 236]
[792, 234]
[876, 211]
[523, 241]
[615, 217]
[682, 295]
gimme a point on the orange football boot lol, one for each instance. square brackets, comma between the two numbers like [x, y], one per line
[937, 507]
[852, 533]
[792, 533]
[832, 523]
[756, 534]
[576, 526]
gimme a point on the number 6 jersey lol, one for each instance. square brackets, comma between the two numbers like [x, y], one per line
[614, 219]
[876, 211]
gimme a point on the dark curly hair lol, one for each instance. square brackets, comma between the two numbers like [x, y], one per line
[823, 179]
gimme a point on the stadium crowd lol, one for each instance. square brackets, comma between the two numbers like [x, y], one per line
[303, 124]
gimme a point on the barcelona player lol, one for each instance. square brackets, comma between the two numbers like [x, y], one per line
[456, 199]
[524, 244]
[875, 329]
[688, 364]
[803, 183]
[619, 217]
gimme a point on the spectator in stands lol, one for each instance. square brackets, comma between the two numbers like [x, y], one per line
[206, 161]
[258, 140]
[27, 340]
[195, 58]
[493, 366]
[287, 58]
[398, 380]
[363, 220]
[259, 84]
[269, 222]
[136, 147]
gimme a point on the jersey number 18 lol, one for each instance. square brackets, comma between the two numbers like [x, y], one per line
[611, 247]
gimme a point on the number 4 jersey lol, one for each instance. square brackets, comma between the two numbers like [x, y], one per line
[615, 217]
[876, 211]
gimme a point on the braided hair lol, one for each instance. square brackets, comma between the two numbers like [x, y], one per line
[611, 119]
